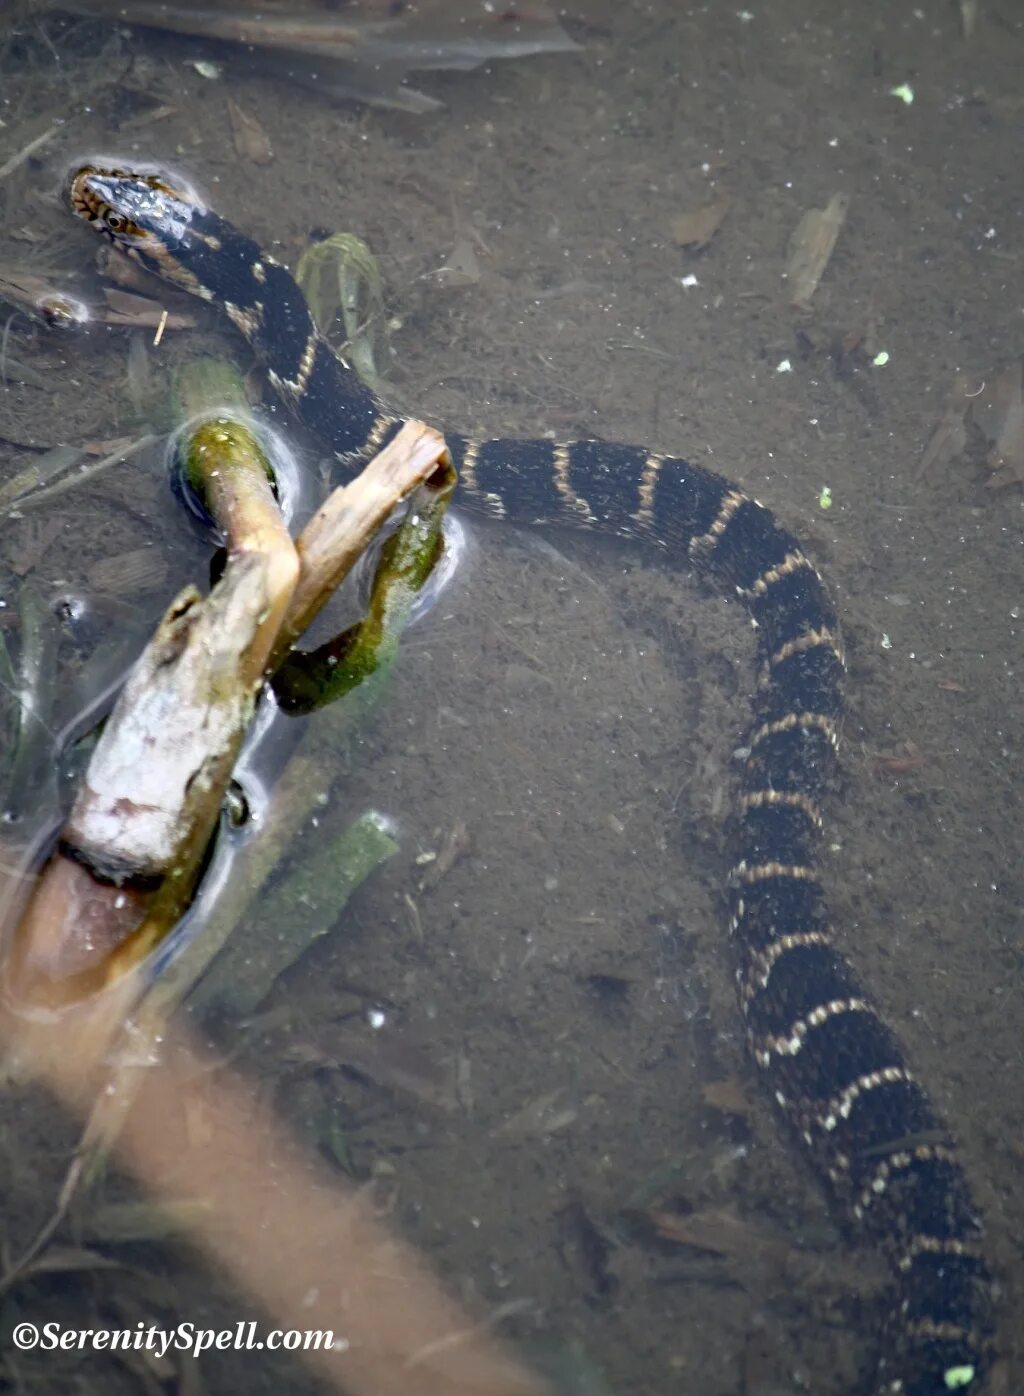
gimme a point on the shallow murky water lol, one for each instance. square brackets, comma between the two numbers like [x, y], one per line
[538, 1046]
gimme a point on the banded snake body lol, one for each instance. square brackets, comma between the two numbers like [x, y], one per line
[835, 1070]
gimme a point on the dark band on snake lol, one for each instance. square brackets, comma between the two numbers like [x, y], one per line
[836, 1071]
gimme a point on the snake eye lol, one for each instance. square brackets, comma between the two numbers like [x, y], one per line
[115, 222]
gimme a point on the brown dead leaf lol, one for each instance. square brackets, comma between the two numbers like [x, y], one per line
[108, 447]
[730, 1096]
[455, 847]
[949, 438]
[462, 268]
[811, 247]
[126, 574]
[997, 410]
[697, 228]
[406, 1066]
[31, 543]
[544, 1114]
[719, 1231]
[251, 141]
[120, 271]
[905, 758]
[139, 312]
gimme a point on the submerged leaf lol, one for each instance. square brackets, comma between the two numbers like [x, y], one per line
[544, 1114]
[66, 1260]
[999, 413]
[996, 409]
[462, 267]
[251, 141]
[949, 438]
[811, 247]
[697, 228]
[124, 1222]
[340, 276]
[128, 574]
[458, 35]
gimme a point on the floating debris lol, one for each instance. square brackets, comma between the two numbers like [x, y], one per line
[811, 247]
[62, 312]
[186, 707]
[904, 92]
[38, 294]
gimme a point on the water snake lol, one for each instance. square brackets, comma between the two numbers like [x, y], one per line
[835, 1070]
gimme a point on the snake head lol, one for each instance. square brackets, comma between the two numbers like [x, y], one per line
[142, 214]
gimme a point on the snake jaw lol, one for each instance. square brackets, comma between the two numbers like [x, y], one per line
[141, 213]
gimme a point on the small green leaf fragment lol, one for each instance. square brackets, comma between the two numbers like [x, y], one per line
[904, 92]
[957, 1378]
[881, 358]
[825, 498]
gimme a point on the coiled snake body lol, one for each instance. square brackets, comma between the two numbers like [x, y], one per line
[834, 1068]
